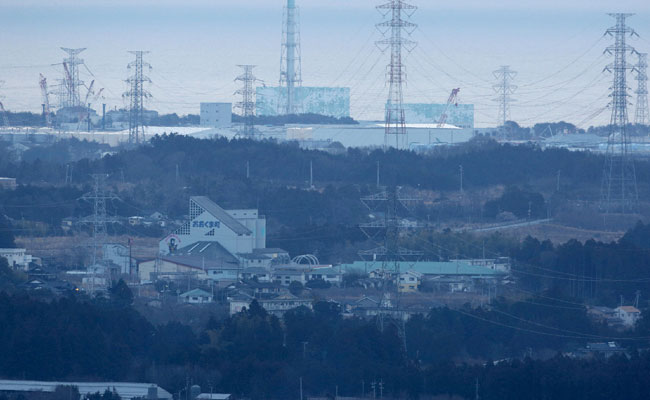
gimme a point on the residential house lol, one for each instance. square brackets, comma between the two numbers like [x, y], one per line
[409, 281]
[196, 296]
[629, 315]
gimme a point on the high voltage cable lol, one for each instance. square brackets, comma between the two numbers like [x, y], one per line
[567, 66]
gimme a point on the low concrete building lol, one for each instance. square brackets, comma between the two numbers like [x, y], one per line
[17, 258]
[328, 274]
[7, 183]
[277, 305]
[286, 275]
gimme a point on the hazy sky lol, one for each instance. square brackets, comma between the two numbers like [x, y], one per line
[556, 47]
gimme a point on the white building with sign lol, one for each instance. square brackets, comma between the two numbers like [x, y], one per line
[237, 231]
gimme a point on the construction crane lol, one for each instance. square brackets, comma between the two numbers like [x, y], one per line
[5, 119]
[453, 98]
[46, 101]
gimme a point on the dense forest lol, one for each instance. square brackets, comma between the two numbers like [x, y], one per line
[253, 354]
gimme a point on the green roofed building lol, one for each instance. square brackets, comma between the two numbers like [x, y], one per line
[429, 268]
[452, 276]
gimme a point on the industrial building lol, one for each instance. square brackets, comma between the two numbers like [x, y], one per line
[458, 115]
[237, 231]
[125, 390]
[213, 244]
[452, 276]
[330, 101]
[216, 115]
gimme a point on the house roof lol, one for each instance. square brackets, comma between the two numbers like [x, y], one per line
[204, 255]
[429, 267]
[253, 256]
[326, 271]
[207, 249]
[629, 309]
[214, 396]
[221, 214]
[256, 270]
[282, 271]
[269, 250]
[196, 293]
[200, 263]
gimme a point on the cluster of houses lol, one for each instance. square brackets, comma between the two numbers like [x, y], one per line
[218, 249]
[226, 249]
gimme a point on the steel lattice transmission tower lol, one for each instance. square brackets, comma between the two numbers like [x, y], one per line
[641, 112]
[247, 104]
[504, 89]
[71, 80]
[386, 232]
[396, 31]
[99, 219]
[290, 69]
[137, 94]
[619, 191]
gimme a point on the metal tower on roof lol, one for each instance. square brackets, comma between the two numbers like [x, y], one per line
[136, 95]
[71, 78]
[396, 31]
[247, 104]
[290, 70]
[619, 191]
[641, 112]
[504, 88]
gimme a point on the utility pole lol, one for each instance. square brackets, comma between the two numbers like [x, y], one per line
[504, 89]
[396, 29]
[68, 174]
[377, 173]
[248, 170]
[460, 167]
[103, 116]
[137, 94]
[557, 185]
[311, 174]
[619, 190]
[290, 70]
[247, 104]
[641, 112]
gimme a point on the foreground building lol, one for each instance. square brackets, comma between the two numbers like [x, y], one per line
[126, 390]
